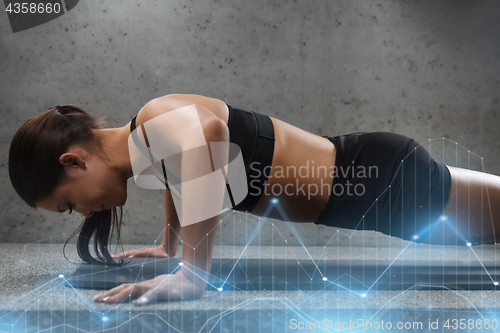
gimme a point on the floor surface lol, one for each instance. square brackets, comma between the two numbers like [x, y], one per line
[34, 299]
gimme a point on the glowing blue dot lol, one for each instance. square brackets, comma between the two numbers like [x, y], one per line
[219, 289]
[363, 295]
[274, 200]
[105, 319]
[415, 237]
[61, 276]
[469, 244]
[443, 218]
[324, 278]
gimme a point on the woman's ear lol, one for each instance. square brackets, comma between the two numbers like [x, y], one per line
[71, 159]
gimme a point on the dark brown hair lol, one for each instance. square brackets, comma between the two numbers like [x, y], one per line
[35, 171]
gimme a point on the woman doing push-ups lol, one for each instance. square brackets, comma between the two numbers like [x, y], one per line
[63, 160]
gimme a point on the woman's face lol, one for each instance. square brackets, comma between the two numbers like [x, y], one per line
[90, 185]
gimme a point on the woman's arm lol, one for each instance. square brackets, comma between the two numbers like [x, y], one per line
[171, 235]
[199, 237]
[189, 280]
[172, 231]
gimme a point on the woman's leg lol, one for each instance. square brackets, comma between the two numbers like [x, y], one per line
[472, 213]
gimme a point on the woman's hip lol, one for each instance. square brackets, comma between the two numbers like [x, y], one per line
[385, 182]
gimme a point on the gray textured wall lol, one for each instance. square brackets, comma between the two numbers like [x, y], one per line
[426, 69]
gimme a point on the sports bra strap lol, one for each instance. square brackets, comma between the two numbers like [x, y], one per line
[150, 157]
[132, 124]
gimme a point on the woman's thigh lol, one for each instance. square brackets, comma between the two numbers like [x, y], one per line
[472, 213]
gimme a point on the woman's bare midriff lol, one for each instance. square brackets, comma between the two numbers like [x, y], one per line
[303, 195]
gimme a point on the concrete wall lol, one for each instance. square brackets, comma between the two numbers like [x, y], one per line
[425, 69]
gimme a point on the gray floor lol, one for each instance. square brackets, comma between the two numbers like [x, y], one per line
[33, 298]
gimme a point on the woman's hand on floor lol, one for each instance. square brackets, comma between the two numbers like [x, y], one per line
[151, 252]
[167, 287]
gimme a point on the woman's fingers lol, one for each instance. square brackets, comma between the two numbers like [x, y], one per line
[156, 253]
[157, 289]
[143, 252]
[121, 293]
[167, 287]
[104, 297]
[124, 254]
[134, 253]
[148, 297]
[132, 291]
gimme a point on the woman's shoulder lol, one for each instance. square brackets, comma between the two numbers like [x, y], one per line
[177, 122]
[208, 108]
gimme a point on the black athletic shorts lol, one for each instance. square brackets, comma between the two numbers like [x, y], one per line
[254, 134]
[386, 182]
